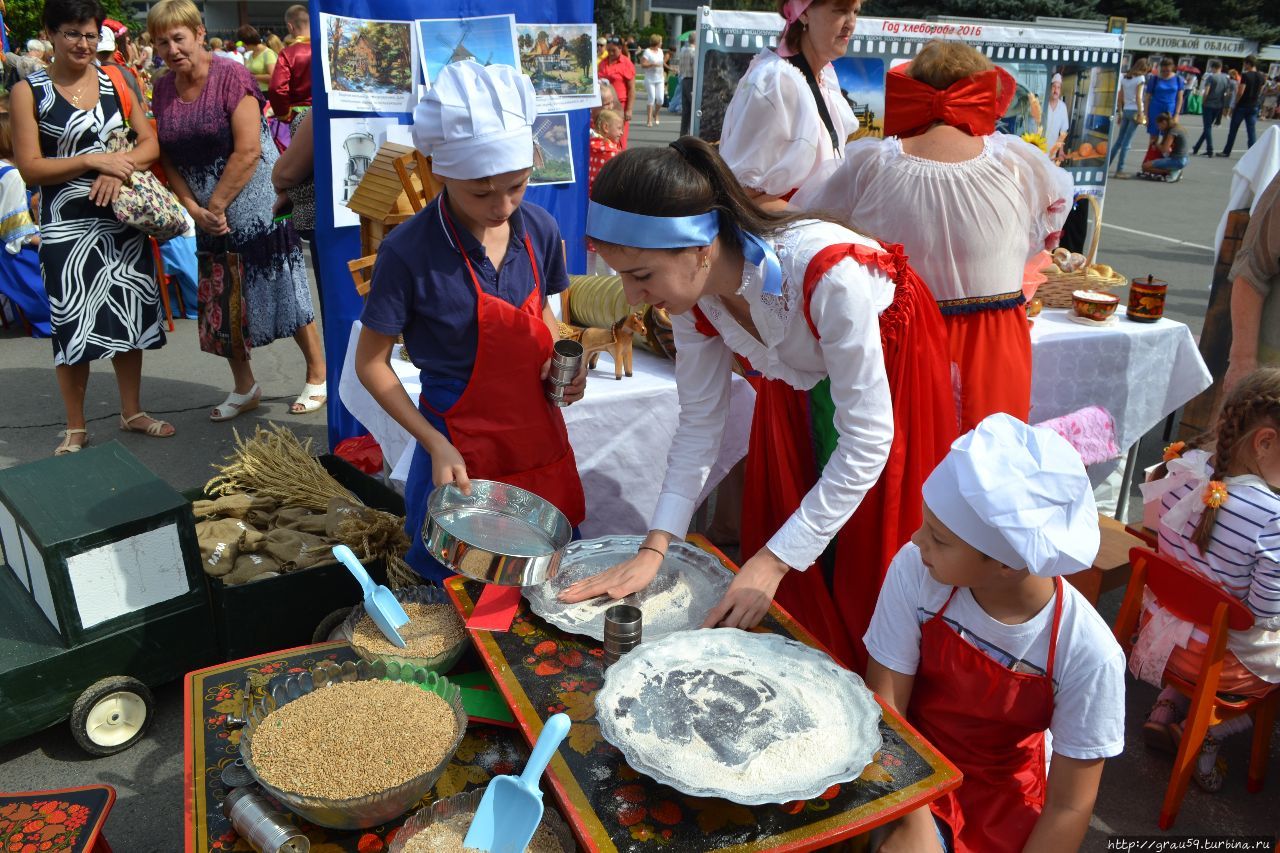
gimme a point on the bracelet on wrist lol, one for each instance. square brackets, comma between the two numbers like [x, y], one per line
[662, 554]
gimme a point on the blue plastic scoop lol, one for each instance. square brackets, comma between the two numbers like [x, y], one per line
[511, 809]
[379, 602]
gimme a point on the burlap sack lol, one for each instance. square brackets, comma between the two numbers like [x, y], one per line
[249, 566]
[233, 506]
[292, 549]
[221, 541]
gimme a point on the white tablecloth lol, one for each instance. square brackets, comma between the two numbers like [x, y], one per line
[1139, 372]
[620, 432]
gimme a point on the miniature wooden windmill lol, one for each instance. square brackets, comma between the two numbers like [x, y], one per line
[396, 185]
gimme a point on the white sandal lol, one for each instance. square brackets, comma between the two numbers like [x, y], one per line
[66, 446]
[237, 404]
[311, 398]
[155, 429]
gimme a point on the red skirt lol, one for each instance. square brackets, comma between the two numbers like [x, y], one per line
[991, 349]
[782, 465]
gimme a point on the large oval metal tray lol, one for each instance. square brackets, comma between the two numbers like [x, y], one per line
[774, 720]
[689, 583]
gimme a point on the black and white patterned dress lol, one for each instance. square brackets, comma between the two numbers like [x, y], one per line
[99, 273]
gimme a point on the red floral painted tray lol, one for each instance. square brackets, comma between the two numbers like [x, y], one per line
[542, 670]
[210, 694]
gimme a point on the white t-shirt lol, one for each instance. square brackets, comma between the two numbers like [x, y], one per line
[845, 309]
[773, 137]
[1088, 674]
[969, 227]
[1129, 87]
[655, 73]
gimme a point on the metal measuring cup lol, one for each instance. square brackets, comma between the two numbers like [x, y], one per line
[623, 630]
[266, 830]
[566, 361]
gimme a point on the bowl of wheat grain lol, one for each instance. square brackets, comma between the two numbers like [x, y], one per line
[355, 745]
[435, 637]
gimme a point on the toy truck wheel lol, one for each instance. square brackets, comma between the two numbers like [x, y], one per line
[323, 632]
[111, 715]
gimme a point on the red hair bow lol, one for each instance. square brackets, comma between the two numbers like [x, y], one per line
[972, 104]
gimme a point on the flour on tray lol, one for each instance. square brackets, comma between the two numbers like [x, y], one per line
[754, 718]
[689, 583]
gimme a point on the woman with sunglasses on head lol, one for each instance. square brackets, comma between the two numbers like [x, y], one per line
[99, 272]
[804, 301]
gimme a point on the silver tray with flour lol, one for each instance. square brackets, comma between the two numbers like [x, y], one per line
[753, 718]
[689, 583]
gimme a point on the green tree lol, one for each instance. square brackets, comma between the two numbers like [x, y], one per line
[25, 18]
[613, 16]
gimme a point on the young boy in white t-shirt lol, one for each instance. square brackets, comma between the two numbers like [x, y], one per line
[980, 644]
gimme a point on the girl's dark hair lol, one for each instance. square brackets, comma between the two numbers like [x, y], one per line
[1255, 403]
[248, 35]
[59, 12]
[686, 178]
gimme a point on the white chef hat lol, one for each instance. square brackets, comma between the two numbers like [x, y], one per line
[106, 40]
[476, 121]
[1018, 494]
[1057, 78]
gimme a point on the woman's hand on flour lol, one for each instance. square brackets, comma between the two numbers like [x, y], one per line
[447, 466]
[625, 578]
[748, 598]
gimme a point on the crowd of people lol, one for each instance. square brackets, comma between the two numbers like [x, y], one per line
[896, 502]
[89, 110]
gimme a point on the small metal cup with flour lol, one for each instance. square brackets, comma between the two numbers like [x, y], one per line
[623, 631]
[566, 361]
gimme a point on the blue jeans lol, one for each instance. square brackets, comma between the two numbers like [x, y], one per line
[1128, 125]
[1210, 117]
[1171, 164]
[1248, 115]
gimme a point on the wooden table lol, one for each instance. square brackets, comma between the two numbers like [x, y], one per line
[210, 694]
[541, 671]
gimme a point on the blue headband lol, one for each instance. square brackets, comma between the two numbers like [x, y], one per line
[640, 231]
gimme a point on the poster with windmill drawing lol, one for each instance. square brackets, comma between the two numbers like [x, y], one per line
[369, 66]
[490, 40]
[560, 59]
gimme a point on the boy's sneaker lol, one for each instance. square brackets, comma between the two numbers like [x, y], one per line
[1174, 176]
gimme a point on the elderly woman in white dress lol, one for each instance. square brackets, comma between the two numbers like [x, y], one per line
[970, 206]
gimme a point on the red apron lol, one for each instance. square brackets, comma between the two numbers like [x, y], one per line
[781, 467]
[503, 424]
[990, 721]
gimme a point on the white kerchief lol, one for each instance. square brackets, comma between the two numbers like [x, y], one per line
[476, 121]
[1020, 495]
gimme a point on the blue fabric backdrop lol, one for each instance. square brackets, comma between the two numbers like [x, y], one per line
[566, 202]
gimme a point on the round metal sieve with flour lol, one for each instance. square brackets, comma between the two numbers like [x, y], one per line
[689, 583]
[753, 718]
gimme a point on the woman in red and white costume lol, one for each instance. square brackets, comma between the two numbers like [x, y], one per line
[787, 117]
[971, 207]
[804, 301]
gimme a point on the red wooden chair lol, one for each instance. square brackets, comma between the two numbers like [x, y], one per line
[165, 281]
[1193, 597]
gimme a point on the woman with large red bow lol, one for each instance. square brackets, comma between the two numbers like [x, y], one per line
[970, 206]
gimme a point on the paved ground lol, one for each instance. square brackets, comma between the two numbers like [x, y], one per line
[1166, 231]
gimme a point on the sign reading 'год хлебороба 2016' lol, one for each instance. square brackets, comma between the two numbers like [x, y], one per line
[1088, 62]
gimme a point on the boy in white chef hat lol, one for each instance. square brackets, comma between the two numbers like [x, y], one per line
[466, 281]
[977, 640]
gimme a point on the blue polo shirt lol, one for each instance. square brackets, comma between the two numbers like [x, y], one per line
[421, 288]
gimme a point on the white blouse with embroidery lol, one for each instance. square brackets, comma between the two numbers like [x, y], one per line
[773, 137]
[845, 308]
[969, 228]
